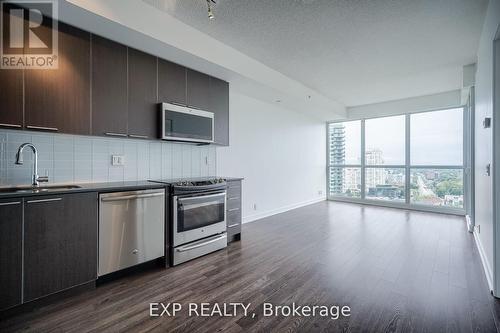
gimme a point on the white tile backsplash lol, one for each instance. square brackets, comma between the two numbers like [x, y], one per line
[70, 158]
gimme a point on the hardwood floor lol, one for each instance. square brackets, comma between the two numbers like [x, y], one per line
[398, 271]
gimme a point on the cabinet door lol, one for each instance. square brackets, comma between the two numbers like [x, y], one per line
[59, 99]
[198, 85]
[171, 82]
[11, 98]
[109, 87]
[11, 240]
[60, 243]
[219, 105]
[142, 106]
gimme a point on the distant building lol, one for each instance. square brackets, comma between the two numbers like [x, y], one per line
[454, 200]
[386, 191]
[431, 174]
[374, 176]
[352, 181]
[337, 157]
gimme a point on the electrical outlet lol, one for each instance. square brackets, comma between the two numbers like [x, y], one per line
[254, 206]
[117, 160]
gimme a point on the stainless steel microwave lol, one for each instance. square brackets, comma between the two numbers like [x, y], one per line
[181, 123]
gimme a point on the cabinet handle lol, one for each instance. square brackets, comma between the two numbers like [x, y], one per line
[233, 225]
[42, 128]
[116, 134]
[10, 125]
[10, 203]
[44, 200]
[234, 198]
[233, 209]
[138, 136]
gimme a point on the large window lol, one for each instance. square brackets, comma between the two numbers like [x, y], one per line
[437, 161]
[414, 160]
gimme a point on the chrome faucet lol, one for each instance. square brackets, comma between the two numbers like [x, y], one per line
[19, 160]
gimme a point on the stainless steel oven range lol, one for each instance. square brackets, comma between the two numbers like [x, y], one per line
[198, 220]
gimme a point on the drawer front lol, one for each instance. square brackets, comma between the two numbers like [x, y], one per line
[233, 202]
[234, 189]
[234, 221]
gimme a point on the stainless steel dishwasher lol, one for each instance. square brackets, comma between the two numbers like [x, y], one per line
[131, 228]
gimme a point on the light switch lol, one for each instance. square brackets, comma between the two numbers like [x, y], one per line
[117, 160]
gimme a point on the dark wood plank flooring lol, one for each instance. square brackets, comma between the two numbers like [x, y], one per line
[399, 271]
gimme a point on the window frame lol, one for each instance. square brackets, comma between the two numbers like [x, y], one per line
[407, 204]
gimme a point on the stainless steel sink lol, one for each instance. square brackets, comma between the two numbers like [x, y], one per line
[32, 189]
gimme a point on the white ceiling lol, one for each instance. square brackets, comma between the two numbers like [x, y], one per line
[354, 51]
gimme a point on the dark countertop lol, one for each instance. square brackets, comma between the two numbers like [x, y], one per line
[94, 187]
[80, 188]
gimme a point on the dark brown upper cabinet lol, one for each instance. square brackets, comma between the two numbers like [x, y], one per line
[142, 105]
[11, 97]
[171, 82]
[198, 84]
[11, 240]
[59, 99]
[109, 87]
[219, 105]
[60, 243]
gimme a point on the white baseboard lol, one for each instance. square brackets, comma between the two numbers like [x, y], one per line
[486, 266]
[255, 217]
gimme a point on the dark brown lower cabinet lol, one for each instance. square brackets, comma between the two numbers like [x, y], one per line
[60, 243]
[11, 240]
[233, 213]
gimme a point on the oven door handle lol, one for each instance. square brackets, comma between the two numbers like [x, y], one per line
[222, 194]
[195, 246]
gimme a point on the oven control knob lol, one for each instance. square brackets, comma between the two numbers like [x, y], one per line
[135, 251]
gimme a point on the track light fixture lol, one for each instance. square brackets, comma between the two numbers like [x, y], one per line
[209, 5]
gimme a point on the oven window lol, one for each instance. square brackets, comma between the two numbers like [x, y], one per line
[200, 211]
[188, 126]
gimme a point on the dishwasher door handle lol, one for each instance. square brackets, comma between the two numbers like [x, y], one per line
[133, 197]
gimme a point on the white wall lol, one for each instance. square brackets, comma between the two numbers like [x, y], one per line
[442, 100]
[281, 154]
[483, 137]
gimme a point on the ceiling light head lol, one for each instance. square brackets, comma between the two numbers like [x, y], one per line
[211, 15]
